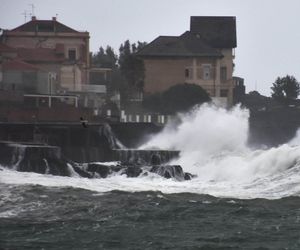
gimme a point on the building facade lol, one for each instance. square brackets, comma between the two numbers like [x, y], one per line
[55, 48]
[203, 55]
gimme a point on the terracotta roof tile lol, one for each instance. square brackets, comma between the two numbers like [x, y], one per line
[186, 45]
[44, 26]
[19, 65]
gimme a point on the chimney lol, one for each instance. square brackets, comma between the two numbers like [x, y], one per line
[33, 18]
[54, 18]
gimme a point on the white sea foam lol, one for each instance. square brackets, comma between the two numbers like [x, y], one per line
[213, 145]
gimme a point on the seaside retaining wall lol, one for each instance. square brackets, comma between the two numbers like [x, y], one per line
[78, 143]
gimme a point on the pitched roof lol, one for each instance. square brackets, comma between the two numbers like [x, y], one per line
[44, 26]
[40, 55]
[19, 65]
[217, 31]
[186, 45]
[207, 35]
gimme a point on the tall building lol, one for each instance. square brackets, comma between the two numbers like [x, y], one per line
[203, 55]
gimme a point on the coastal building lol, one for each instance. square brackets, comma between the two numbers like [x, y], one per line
[53, 47]
[48, 64]
[239, 90]
[203, 55]
[17, 75]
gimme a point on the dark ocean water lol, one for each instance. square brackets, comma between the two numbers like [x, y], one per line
[40, 217]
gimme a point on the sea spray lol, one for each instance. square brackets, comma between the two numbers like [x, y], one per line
[205, 134]
[296, 140]
[213, 145]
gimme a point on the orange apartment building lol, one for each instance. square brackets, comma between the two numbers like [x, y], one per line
[203, 55]
[46, 64]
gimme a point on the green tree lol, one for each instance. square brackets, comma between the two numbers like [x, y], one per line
[105, 58]
[132, 67]
[285, 88]
[178, 98]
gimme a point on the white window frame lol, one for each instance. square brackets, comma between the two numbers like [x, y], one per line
[207, 75]
[76, 53]
[190, 73]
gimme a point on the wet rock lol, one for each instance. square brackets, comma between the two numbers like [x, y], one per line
[144, 157]
[169, 171]
[45, 159]
[133, 171]
[82, 172]
[188, 176]
[102, 170]
[155, 159]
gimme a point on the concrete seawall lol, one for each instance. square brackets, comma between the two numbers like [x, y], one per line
[76, 142]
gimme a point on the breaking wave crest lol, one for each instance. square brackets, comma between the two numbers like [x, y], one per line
[213, 145]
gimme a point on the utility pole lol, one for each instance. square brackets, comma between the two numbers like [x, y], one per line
[32, 8]
[25, 15]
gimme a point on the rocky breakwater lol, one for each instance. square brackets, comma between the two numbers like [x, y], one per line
[45, 159]
[104, 170]
[143, 162]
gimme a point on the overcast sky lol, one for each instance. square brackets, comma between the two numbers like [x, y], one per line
[268, 32]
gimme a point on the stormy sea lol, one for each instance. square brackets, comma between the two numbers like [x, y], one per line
[240, 196]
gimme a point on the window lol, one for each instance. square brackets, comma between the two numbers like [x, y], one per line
[206, 72]
[223, 74]
[224, 93]
[188, 73]
[72, 54]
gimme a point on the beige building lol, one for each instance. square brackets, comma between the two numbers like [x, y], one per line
[204, 56]
[54, 47]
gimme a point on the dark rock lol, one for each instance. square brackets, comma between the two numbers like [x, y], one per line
[169, 171]
[102, 170]
[116, 168]
[82, 172]
[133, 171]
[34, 158]
[46, 159]
[188, 176]
[144, 157]
[155, 159]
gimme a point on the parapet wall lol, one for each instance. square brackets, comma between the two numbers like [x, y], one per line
[78, 143]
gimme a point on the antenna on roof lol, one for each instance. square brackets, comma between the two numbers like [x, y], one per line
[25, 14]
[32, 9]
